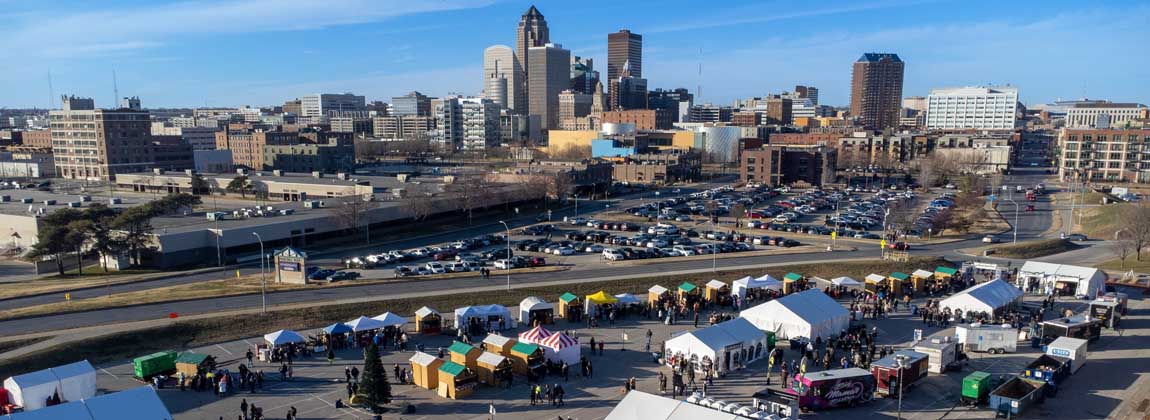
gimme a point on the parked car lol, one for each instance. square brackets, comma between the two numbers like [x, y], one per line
[991, 239]
[321, 274]
[504, 264]
[435, 268]
[342, 275]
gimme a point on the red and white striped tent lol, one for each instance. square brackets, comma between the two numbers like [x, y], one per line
[560, 347]
[535, 335]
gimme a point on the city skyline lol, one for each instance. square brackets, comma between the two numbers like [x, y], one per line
[186, 55]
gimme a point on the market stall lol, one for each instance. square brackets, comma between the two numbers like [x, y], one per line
[534, 335]
[364, 324]
[493, 369]
[715, 290]
[425, 370]
[944, 273]
[720, 348]
[275, 339]
[808, 314]
[390, 320]
[921, 280]
[898, 282]
[428, 321]
[1060, 279]
[162, 362]
[463, 353]
[745, 285]
[600, 300]
[688, 293]
[535, 311]
[456, 381]
[140, 403]
[336, 334]
[983, 298]
[792, 282]
[570, 307]
[498, 344]
[480, 319]
[32, 390]
[526, 357]
[75, 410]
[846, 282]
[192, 364]
[560, 347]
[872, 282]
[657, 293]
[77, 380]
[629, 302]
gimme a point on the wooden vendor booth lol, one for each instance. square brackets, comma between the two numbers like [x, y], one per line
[688, 293]
[456, 381]
[657, 293]
[464, 354]
[944, 273]
[428, 321]
[191, 364]
[897, 280]
[715, 290]
[791, 283]
[498, 344]
[526, 357]
[922, 280]
[872, 282]
[425, 370]
[570, 307]
[493, 369]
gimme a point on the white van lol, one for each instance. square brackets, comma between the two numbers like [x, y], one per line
[612, 255]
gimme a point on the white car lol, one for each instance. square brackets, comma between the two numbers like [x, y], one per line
[656, 243]
[782, 218]
[612, 255]
[990, 239]
[577, 221]
[504, 264]
[593, 248]
[419, 252]
[754, 224]
[456, 267]
[592, 223]
[684, 250]
[564, 250]
[435, 268]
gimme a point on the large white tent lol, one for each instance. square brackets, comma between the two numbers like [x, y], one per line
[389, 319]
[1046, 277]
[560, 347]
[74, 410]
[722, 345]
[739, 287]
[809, 314]
[140, 403]
[487, 314]
[985, 297]
[639, 405]
[846, 282]
[628, 299]
[77, 380]
[282, 337]
[531, 304]
[364, 323]
[33, 389]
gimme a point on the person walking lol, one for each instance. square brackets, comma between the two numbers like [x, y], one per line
[601, 347]
[244, 407]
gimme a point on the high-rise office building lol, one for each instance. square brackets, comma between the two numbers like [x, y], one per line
[876, 90]
[678, 101]
[500, 77]
[481, 128]
[548, 75]
[982, 108]
[624, 49]
[583, 75]
[90, 143]
[628, 91]
[532, 33]
[322, 104]
[810, 93]
[412, 104]
[574, 105]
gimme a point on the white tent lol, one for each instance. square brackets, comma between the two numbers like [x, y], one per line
[628, 299]
[715, 284]
[560, 347]
[739, 287]
[282, 337]
[809, 314]
[487, 314]
[364, 323]
[638, 405]
[73, 410]
[32, 390]
[140, 403]
[389, 319]
[1083, 281]
[846, 282]
[531, 304]
[77, 380]
[723, 346]
[985, 297]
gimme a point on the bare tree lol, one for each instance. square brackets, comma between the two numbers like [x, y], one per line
[422, 206]
[1122, 248]
[573, 152]
[471, 192]
[1136, 219]
[738, 211]
[560, 185]
[351, 213]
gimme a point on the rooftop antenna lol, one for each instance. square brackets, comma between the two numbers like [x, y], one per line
[51, 92]
[115, 90]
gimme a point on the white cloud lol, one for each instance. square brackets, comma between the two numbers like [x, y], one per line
[80, 50]
[144, 26]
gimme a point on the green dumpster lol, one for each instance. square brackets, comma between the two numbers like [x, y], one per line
[975, 388]
[154, 364]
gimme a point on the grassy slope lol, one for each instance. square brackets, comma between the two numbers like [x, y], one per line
[1035, 249]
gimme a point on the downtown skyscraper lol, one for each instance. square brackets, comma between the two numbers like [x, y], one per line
[876, 90]
[624, 51]
[532, 33]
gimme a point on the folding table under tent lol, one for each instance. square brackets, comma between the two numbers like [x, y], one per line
[77, 380]
[33, 389]
[657, 292]
[139, 403]
[364, 323]
[988, 297]
[560, 347]
[533, 309]
[809, 314]
[389, 319]
[741, 286]
[283, 337]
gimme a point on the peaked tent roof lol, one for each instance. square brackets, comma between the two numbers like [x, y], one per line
[364, 323]
[72, 410]
[641, 405]
[601, 297]
[425, 311]
[723, 334]
[845, 281]
[627, 299]
[532, 303]
[283, 337]
[810, 307]
[337, 328]
[389, 319]
[534, 335]
[559, 341]
[140, 403]
[986, 297]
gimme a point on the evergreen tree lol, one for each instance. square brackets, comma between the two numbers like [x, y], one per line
[374, 386]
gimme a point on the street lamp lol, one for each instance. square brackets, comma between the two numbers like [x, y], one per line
[714, 248]
[1010, 198]
[507, 267]
[263, 277]
[900, 363]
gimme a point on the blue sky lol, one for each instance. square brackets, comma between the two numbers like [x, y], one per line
[262, 52]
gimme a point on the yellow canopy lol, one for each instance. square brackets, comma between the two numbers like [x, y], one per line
[601, 298]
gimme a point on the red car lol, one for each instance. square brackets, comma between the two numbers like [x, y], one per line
[900, 246]
[1029, 207]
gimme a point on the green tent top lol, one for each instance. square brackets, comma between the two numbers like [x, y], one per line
[977, 376]
[452, 368]
[460, 348]
[192, 358]
[899, 275]
[524, 348]
[793, 277]
[945, 270]
[688, 287]
[568, 297]
[156, 355]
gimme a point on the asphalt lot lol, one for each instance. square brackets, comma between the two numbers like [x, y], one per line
[1115, 363]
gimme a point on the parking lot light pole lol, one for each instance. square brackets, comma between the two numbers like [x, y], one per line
[507, 267]
[263, 277]
[900, 363]
[714, 249]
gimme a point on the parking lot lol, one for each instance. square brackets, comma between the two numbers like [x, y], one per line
[1114, 364]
